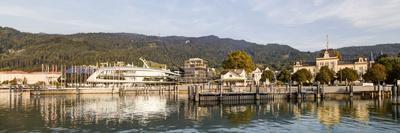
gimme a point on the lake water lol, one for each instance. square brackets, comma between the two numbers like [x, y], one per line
[173, 113]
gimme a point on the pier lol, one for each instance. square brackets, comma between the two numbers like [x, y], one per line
[201, 92]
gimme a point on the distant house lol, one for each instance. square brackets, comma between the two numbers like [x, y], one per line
[256, 76]
[237, 77]
[196, 70]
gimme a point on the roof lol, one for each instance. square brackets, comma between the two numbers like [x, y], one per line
[81, 69]
[235, 71]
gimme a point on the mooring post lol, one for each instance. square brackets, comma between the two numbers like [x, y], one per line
[220, 91]
[196, 97]
[77, 90]
[351, 89]
[394, 94]
[299, 91]
[318, 91]
[189, 92]
[290, 89]
[322, 91]
[397, 92]
[257, 92]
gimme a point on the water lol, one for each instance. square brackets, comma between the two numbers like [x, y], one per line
[143, 113]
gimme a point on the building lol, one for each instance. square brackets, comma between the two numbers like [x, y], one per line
[196, 71]
[334, 63]
[29, 77]
[256, 76]
[237, 77]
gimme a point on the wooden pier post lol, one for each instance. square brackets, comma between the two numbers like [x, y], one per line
[290, 90]
[77, 90]
[189, 92]
[196, 96]
[299, 91]
[351, 89]
[257, 96]
[220, 92]
[379, 91]
[395, 93]
[318, 91]
[322, 91]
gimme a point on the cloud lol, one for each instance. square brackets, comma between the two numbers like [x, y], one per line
[361, 14]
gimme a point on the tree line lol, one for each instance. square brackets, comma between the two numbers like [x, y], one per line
[386, 69]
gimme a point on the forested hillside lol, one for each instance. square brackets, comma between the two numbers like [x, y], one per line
[27, 51]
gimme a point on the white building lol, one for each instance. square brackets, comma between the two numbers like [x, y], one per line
[256, 76]
[31, 77]
[234, 78]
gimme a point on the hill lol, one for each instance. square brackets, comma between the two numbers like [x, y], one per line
[27, 51]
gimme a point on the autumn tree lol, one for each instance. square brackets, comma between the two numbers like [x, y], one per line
[239, 60]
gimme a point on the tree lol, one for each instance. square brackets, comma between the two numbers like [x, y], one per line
[347, 74]
[284, 76]
[267, 74]
[325, 75]
[239, 60]
[376, 74]
[301, 76]
[394, 74]
[392, 67]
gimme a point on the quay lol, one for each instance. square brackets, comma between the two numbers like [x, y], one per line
[209, 92]
[200, 93]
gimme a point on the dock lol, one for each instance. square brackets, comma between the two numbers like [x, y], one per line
[199, 93]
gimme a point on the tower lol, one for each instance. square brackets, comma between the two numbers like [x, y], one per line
[326, 53]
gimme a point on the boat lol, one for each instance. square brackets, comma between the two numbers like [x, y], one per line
[132, 75]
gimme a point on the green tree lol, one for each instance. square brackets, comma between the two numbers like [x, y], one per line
[325, 75]
[391, 64]
[267, 74]
[394, 74]
[284, 76]
[239, 60]
[347, 74]
[376, 74]
[301, 76]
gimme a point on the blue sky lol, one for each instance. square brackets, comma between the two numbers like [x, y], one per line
[302, 24]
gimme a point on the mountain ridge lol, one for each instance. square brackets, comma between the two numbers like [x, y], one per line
[27, 51]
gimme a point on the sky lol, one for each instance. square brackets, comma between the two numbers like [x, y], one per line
[302, 24]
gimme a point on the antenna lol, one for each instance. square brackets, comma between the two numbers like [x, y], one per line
[327, 42]
[144, 62]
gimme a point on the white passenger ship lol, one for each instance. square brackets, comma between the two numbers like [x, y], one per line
[131, 75]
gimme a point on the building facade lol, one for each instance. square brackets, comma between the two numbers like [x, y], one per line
[236, 77]
[196, 71]
[334, 63]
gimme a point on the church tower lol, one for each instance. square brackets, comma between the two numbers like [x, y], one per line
[326, 53]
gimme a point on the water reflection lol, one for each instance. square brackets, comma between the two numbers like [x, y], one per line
[153, 112]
